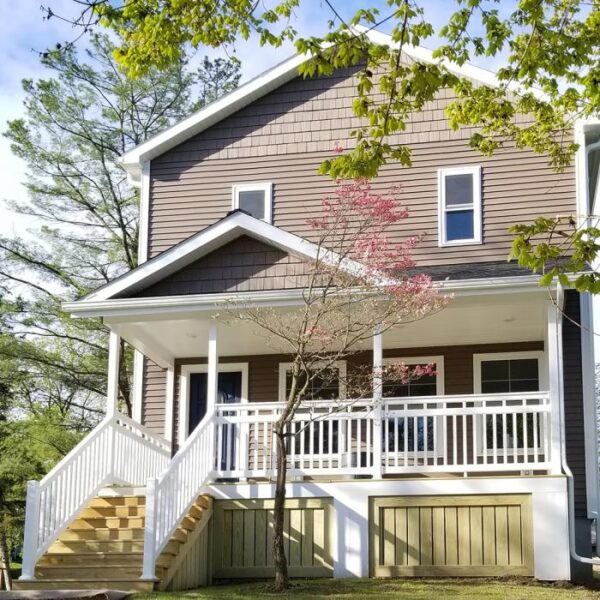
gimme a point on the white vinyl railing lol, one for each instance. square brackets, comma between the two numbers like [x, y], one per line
[170, 497]
[464, 434]
[471, 433]
[118, 450]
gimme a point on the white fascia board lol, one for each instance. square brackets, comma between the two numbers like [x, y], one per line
[211, 114]
[209, 239]
[206, 303]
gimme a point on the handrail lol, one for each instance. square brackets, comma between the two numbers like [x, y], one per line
[170, 497]
[92, 464]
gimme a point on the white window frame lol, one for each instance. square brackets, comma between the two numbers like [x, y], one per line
[439, 385]
[475, 171]
[184, 390]
[539, 354]
[266, 187]
[525, 354]
[284, 367]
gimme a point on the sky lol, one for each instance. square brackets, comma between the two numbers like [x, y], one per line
[26, 33]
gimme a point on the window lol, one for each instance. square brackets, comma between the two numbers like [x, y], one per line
[505, 374]
[329, 385]
[428, 385]
[459, 193]
[254, 198]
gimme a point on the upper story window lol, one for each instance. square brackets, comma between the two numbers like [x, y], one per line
[459, 193]
[255, 199]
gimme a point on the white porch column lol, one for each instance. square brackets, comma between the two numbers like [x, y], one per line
[114, 358]
[169, 402]
[213, 370]
[554, 352]
[377, 399]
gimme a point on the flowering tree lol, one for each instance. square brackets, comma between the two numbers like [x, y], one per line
[359, 283]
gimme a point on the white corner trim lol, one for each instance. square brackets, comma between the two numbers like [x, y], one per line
[475, 206]
[138, 385]
[266, 188]
[184, 390]
[423, 360]
[144, 214]
[169, 402]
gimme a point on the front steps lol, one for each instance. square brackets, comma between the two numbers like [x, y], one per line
[103, 548]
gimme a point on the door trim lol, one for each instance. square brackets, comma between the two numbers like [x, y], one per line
[184, 390]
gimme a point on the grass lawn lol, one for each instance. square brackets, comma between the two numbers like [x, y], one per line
[399, 589]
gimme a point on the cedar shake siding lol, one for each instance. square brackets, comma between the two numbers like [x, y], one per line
[263, 372]
[573, 399]
[244, 265]
[283, 137]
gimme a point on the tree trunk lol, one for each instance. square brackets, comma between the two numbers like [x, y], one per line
[4, 560]
[282, 581]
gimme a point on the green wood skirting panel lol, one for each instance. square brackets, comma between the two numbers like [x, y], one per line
[243, 534]
[426, 536]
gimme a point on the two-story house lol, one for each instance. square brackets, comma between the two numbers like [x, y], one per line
[487, 467]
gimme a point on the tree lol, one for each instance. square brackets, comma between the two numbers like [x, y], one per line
[78, 123]
[549, 76]
[359, 283]
[549, 50]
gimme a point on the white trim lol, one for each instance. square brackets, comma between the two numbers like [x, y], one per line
[144, 213]
[540, 355]
[184, 392]
[266, 188]
[543, 383]
[271, 80]
[424, 360]
[138, 385]
[169, 402]
[474, 205]
[204, 242]
[212, 302]
[285, 366]
[112, 388]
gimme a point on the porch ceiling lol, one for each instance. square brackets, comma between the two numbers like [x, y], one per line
[466, 320]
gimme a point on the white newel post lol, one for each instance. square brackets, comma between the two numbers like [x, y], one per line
[30, 541]
[554, 350]
[148, 570]
[377, 401]
[114, 358]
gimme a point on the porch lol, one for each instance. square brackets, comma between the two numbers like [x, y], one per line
[492, 408]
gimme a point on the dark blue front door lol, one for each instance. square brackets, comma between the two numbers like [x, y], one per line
[229, 391]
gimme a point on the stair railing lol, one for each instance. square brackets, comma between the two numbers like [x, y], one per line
[118, 450]
[170, 497]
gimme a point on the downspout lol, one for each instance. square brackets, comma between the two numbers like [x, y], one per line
[563, 451]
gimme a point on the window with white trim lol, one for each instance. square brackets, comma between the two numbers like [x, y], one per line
[400, 433]
[459, 197]
[327, 385]
[254, 198]
[508, 373]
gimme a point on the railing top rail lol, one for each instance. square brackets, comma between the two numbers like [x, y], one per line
[369, 402]
[121, 418]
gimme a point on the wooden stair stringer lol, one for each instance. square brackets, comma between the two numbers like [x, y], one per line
[175, 562]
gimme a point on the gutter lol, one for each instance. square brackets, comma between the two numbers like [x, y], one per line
[212, 302]
[563, 448]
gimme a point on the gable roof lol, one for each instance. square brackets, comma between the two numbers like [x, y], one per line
[234, 225]
[263, 84]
